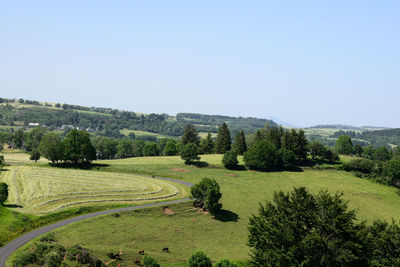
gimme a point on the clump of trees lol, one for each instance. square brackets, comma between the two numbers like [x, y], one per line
[75, 148]
[207, 194]
[199, 259]
[302, 229]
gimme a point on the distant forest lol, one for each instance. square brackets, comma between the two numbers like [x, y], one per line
[109, 122]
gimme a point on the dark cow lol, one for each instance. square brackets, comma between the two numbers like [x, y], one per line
[141, 252]
[165, 250]
[137, 262]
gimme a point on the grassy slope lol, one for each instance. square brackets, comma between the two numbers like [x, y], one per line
[187, 231]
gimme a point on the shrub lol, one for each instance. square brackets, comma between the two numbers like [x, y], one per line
[170, 148]
[360, 165]
[24, 259]
[190, 153]
[261, 156]
[230, 160]
[199, 259]
[73, 251]
[150, 262]
[48, 238]
[225, 263]
[52, 259]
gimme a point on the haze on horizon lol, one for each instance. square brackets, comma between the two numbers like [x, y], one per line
[316, 63]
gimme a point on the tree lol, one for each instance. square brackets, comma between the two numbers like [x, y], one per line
[190, 135]
[382, 154]
[207, 194]
[170, 148]
[18, 138]
[77, 147]
[35, 155]
[34, 137]
[240, 143]
[199, 259]
[392, 170]
[150, 149]
[3, 193]
[344, 145]
[261, 156]
[207, 145]
[125, 148]
[316, 149]
[190, 153]
[301, 229]
[301, 146]
[286, 158]
[50, 147]
[223, 142]
[358, 150]
[2, 162]
[230, 160]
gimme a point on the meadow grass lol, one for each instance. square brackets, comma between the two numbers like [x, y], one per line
[138, 133]
[188, 230]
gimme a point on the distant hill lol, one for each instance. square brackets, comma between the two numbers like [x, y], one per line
[110, 122]
[249, 125]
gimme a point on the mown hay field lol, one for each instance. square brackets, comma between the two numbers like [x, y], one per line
[39, 190]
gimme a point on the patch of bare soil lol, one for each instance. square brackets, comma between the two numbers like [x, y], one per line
[168, 211]
[232, 175]
[179, 170]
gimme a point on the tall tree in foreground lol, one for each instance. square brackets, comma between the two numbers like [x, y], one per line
[223, 142]
[190, 153]
[190, 135]
[301, 229]
[240, 143]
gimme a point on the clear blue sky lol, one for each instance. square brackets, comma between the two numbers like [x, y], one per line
[306, 62]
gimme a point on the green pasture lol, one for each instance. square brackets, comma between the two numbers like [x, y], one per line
[188, 230]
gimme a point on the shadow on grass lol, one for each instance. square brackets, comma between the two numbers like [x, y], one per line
[13, 206]
[200, 164]
[227, 216]
[82, 166]
[238, 168]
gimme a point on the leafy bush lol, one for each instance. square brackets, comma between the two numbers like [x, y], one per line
[24, 259]
[199, 259]
[230, 160]
[225, 263]
[360, 165]
[48, 238]
[52, 259]
[261, 156]
[391, 170]
[150, 262]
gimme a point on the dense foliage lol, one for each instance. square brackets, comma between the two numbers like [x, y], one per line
[190, 153]
[230, 160]
[301, 229]
[199, 259]
[3, 193]
[207, 194]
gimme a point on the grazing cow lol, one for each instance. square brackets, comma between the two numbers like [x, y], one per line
[137, 262]
[165, 250]
[141, 252]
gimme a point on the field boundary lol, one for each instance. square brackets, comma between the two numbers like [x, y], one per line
[12, 246]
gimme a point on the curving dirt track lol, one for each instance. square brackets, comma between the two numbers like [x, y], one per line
[10, 247]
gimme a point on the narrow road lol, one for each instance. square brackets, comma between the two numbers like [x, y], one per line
[9, 248]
